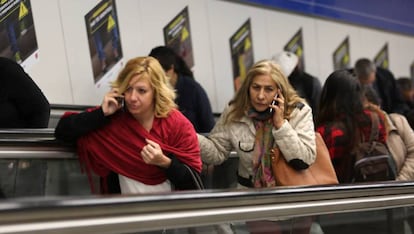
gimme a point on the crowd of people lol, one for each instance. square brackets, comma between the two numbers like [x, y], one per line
[146, 134]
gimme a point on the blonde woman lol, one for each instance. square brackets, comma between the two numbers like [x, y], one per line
[144, 139]
[265, 112]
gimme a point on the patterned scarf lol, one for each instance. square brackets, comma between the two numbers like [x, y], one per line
[262, 165]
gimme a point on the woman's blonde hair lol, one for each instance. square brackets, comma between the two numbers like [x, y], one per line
[149, 68]
[241, 102]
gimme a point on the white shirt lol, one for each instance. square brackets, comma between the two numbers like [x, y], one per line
[130, 186]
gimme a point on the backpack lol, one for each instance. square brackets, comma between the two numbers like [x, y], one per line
[373, 160]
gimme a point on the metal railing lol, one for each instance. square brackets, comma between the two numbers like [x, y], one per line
[125, 214]
[139, 213]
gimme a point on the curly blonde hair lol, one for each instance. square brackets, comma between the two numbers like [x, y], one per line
[149, 68]
[241, 102]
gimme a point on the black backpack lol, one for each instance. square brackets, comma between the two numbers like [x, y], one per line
[373, 160]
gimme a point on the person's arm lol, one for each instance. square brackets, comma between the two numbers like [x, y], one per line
[73, 125]
[185, 141]
[179, 175]
[30, 102]
[216, 147]
[296, 138]
[407, 135]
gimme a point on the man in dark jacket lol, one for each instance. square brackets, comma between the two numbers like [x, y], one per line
[386, 86]
[384, 83]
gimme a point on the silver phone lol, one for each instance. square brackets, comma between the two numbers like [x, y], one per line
[274, 102]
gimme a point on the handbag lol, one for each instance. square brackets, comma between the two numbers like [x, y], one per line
[198, 182]
[373, 160]
[321, 172]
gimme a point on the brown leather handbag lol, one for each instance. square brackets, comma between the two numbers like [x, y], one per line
[321, 172]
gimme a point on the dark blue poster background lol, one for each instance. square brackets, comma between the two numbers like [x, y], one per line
[390, 15]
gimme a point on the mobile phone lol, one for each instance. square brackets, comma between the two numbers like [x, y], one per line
[274, 102]
[120, 100]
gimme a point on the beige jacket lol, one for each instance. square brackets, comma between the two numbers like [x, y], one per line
[296, 139]
[400, 142]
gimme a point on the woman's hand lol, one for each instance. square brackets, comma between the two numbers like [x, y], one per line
[278, 110]
[109, 104]
[152, 154]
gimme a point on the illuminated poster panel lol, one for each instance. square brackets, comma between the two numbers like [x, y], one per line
[341, 57]
[241, 47]
[105, 48]
[295, 45]
[17, 32]
[381, 59]
[177, 35]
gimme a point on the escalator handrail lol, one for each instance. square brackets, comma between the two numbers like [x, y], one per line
[119, 214]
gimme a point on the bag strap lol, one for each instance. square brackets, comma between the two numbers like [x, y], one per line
[374, 127]
[196, 178]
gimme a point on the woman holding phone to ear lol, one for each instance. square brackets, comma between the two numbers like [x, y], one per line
[148, 142]
[248, 127]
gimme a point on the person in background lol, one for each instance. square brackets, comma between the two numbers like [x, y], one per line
[252, 126]
[191, 99]
[400, 142]
[306, 85]
[342, 120]
[23, 105]
[145, 139]
[365, 71]
[400, 138]
[384, 83]
[406, 87]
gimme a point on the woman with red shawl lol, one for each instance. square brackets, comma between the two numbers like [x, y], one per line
[144, 138]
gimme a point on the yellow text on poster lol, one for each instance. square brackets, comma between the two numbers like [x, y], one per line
[97, 12]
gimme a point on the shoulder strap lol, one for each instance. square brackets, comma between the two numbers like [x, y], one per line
[198, 183]
[299, 105]
[374, 126]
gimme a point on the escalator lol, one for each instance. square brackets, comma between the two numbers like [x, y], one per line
[46, 192]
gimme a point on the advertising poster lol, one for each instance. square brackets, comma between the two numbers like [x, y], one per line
[104, 41]
[381, 59]
[177, 35]
[295, 45]
[17, 32]
[341, 57]
[241, 48]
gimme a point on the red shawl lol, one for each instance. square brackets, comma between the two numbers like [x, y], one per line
[117, 146]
